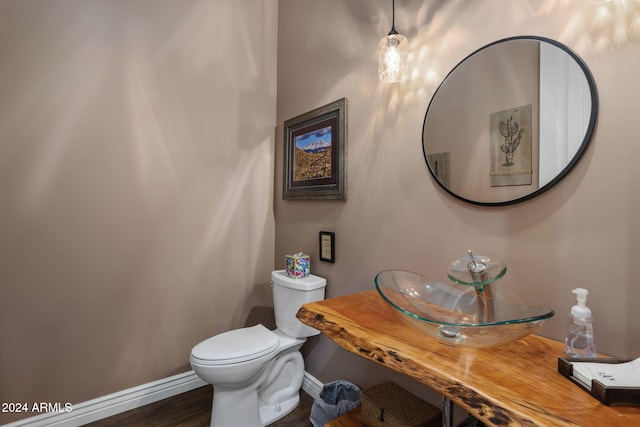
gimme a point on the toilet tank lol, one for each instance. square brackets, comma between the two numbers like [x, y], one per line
[289, 295]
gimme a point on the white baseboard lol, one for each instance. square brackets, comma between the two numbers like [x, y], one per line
[125, 400]
[116, 403]
[311, 385]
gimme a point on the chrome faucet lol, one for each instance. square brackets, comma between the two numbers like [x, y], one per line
[480, 277]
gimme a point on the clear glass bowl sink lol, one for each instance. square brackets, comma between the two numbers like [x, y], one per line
[459, 315]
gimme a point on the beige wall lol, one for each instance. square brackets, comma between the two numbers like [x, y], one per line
[136, 165]
[583, 232]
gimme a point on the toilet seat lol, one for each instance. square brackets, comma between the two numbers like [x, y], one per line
[236, 346]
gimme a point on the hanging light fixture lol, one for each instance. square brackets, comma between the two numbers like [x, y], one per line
[392, 53]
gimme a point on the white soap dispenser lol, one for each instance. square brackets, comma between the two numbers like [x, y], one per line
[579, 341]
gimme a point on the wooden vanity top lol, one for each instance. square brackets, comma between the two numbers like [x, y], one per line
[513, 385]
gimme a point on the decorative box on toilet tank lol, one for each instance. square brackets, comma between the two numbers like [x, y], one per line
[298, 266]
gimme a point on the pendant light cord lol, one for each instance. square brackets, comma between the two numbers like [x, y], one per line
[393, 18]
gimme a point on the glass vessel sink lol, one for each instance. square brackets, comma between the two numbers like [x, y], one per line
[457, 314]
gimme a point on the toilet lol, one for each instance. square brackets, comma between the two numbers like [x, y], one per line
[257, 373]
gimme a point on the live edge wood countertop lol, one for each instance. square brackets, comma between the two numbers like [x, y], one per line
[517, 384]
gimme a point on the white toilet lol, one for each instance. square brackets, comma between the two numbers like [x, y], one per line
[257, 373]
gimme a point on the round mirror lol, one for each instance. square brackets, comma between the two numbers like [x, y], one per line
[510, 121]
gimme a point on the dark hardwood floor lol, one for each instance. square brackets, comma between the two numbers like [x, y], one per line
[193, 409]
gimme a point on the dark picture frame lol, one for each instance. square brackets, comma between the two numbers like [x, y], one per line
[510, 153]
[327, 244]
[315, 146]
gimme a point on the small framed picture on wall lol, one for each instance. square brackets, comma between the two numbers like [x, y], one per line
[327, 246]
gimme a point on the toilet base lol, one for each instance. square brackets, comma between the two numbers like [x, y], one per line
[234, 408]
[271, 396]
[272, 413]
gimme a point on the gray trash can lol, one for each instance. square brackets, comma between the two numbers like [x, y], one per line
[336, 398]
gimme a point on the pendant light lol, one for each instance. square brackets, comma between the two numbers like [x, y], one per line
[392, 54]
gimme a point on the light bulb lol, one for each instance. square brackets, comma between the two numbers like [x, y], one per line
[392, 58]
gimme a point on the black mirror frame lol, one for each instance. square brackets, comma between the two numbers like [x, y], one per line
[583, 146]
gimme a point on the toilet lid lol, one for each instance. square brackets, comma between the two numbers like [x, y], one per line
[239, 345]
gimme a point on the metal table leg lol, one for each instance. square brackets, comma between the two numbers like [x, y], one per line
[447, 412]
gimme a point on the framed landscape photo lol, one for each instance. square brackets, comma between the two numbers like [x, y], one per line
[315, 145]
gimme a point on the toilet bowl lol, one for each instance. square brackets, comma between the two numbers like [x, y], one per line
[257, 373]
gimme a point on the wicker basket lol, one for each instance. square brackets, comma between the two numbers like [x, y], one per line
[389, 405]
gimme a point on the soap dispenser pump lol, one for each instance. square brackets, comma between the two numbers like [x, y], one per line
[579, 341]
